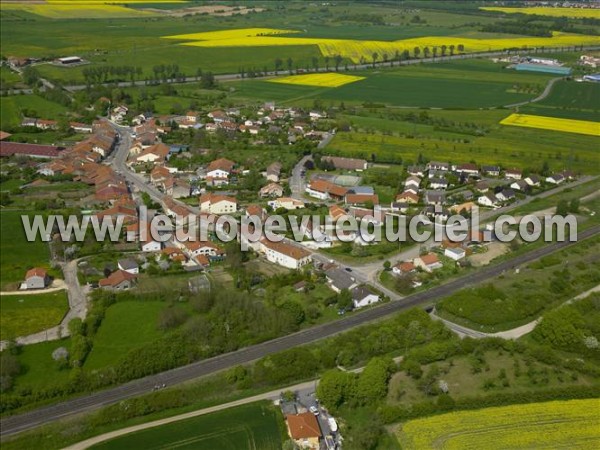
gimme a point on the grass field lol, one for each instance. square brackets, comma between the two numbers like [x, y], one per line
[13, 108]
[569, 100]
[443, 85]
[573, 424]
[21, 315]
[127, 325]
[248, 427]
[18, 255]
[39, 370]
[553, 124]
[331, 80]
[552, 12]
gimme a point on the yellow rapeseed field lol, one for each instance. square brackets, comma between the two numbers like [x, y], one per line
[554, 12]
[318, 79]
[363, 51]
[76, 9]
[553, 123]
[573, 424]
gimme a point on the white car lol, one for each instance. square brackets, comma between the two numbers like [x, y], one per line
[313, 409]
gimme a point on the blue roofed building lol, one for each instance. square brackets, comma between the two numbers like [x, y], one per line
[543, 68]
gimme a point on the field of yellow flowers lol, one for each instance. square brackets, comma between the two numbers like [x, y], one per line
[553, 123]
[318, 79]
[365, 51]
[573, 424]
[553, 12]
[82, 9]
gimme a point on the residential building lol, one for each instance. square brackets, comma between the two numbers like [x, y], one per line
[403, 268]
[325, 190]
[129, 265]
[304, 430]
[284, 254]
[363, 296]
[488, 199]
[407, 197]
[341, 163]
[533, 181]
[428, 262]
[338, 279]
[520, 185]
[513, 174]
[119, 280]
[271, 190]
[455, 253]
[274, 172]
[287, 203]
[217, 204]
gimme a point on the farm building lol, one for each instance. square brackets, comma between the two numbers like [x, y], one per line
[36, 278]
[543, 68]
[69, 60]
[595, 77]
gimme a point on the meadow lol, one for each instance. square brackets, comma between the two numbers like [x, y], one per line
[553, 124]
[127, 325]
[39, 370]
[13, 108]
[18, 255]
[552, 12]
[570, 424]
[248, 427]
[21, 315]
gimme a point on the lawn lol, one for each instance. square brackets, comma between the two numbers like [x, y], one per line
[39, 370]
[128, 325]
[252, 426]
[13, 108]
[21, 315]
[558, 424]
[18, 255]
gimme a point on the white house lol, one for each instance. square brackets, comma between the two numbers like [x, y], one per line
[513, 174]
[363, 296]
[455, 253]
[438, 183]
[36, 278]
[557, 178]
[287, 203]
[286, 255]
[533, 180]
[217, 204]
[150, 245]
[488, 199]
[129, 265]
[428, 263]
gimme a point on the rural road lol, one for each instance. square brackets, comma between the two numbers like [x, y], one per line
[46, 414]
[540, 97]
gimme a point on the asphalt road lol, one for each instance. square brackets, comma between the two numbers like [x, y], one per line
[47, 414]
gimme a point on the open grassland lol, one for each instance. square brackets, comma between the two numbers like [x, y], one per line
[569, 100]
[39, 370]
[365, 51]
[248, 427]
[573, 424]
[21, 315]
[13, 108]
[127, 326]
[553, 124]
[552, 12]
[331, 80]
[18, 255]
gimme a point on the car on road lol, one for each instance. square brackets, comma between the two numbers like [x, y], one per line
[313, 409]
[348, 269]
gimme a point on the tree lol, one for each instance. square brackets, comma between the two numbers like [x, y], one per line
[375, 56]
[337, 60]
[315, 63]
[562, 209]
[335, 388]
[416, 52]
[344, 301]
[426, 52]
[372, 382]
[278, 64]
[326, 62]
[444, 50]
[387, 265]
[574, 206]
[435, 51]
[290, 64]
[461, 48]
[451, 47]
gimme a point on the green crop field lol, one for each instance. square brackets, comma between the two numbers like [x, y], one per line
[443, 85]
[13, 108]
[18, 255]
[569, 100]
[248, 427]
[21, 315]
[127, 326]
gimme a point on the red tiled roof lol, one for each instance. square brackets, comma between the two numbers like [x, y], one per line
[36, 272]
[116, 278]
[303, 426]
[16, 148]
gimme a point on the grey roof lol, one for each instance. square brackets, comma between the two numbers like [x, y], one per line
[128, 263]
[361, 190]
[360, 292]
[339, 278]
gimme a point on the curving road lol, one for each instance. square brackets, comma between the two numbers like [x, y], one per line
[47, 414]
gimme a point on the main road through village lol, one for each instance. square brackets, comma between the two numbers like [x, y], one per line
[46, 414]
